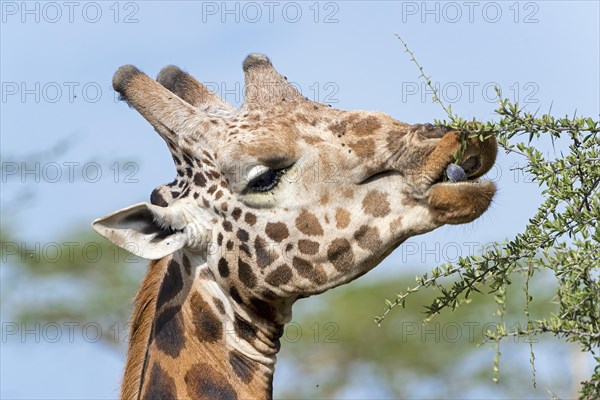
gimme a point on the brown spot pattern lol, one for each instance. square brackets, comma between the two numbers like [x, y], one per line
[243, 235]
[245, 274]
[227, 226]
[342, 218]
[368, 238]
[302, 266]
[243, 329]
[320, 277]
[207, 326]
[376, 203]
[219, 305]
[262, 309]
[264, 257]
[223, 267]
[363, 147]
[235, 295]
[279, 276]
[340, 254]
[204, 382]
[308, 246]
[168, 331]
[171, 285]
[246, 249]
[242, 366]
[366, 126]
[157, 198]
[277, 231]
[348, 193]
[338, 128]
[308, 224]
[250, 218]
[200, 179]
[160, 385]
[306, 270]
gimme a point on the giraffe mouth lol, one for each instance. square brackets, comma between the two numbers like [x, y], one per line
[457, 194]
[466, 172]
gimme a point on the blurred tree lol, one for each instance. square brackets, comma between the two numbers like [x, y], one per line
[337, 349]
[82, 278]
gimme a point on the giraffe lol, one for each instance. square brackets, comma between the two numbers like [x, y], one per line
[281, 199]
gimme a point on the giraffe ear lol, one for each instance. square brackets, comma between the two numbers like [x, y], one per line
[136, 230]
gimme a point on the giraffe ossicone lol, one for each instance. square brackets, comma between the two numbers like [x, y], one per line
[278, 200]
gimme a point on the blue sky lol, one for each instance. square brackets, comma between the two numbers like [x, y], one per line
[542, 54]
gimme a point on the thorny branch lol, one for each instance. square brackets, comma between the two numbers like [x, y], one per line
[563, 236]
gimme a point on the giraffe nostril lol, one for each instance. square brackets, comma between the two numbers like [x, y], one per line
[429, 131]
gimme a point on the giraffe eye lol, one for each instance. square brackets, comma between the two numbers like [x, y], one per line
[265, 181]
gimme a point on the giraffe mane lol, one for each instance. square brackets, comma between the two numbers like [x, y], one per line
[142, 317]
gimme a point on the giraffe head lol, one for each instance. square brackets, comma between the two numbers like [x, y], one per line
[284, 197]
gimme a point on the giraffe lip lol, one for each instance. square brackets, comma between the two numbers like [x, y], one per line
[467, 183]
[460, 202]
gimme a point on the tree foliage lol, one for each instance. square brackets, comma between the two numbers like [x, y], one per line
[562, 237]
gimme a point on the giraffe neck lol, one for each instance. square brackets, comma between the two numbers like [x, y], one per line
[194, 342]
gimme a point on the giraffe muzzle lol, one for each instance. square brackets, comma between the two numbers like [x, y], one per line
[457, 195]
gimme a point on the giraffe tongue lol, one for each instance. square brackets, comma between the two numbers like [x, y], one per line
[455, 173]
[460, 173]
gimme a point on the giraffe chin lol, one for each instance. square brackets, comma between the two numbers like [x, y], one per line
[460, 202]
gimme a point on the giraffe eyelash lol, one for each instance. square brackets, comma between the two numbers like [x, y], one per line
[265, 181]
